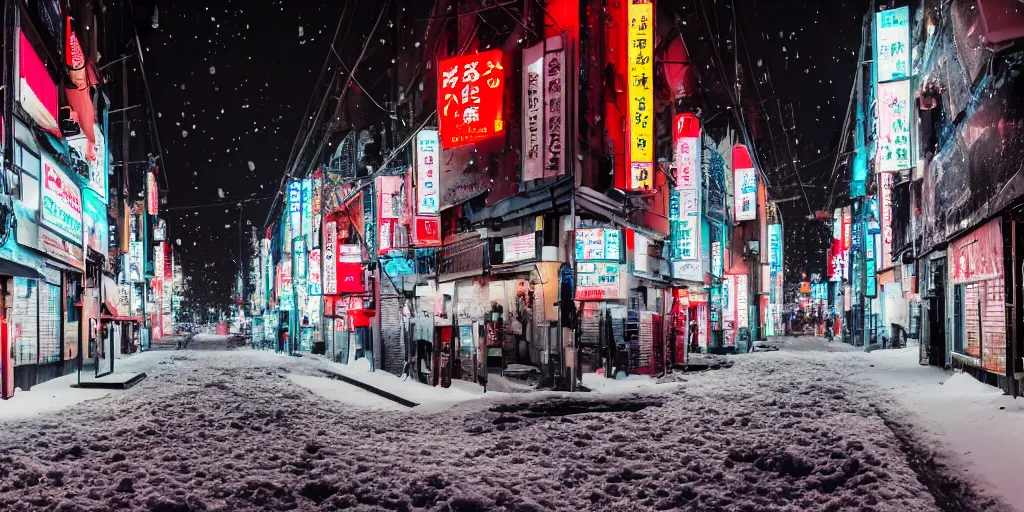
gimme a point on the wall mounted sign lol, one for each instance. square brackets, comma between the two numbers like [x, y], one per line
[894, 126]
[599, 281]
[62, 202]
[470, 96]
[892, 44]
[427, 160]
[598, 244]
[533, 112]
[640, 75]
[519, 248]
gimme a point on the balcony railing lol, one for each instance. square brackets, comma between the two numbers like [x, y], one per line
[465, 257]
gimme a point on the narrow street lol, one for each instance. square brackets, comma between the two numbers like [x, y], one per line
[796, 429]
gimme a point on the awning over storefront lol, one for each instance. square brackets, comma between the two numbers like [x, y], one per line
[116, 318]
[10, 268]
[544, 198]
[596, 203]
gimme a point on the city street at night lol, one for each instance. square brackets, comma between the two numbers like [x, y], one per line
[513, 255]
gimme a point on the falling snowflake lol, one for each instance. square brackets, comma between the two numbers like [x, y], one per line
[220, 192]
[252, 166]
[184, 133]
[301, 31]
[213, 70]
[178, 241]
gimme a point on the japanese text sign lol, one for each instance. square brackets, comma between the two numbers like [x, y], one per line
[295, 207]
[554, 108]
[427, 159]
[892, 44]
[330, 258]
[469, 98]
[62, 202]
[744, 184]
[598, 244]
[640, 62]
[533, 113]
[894, 125]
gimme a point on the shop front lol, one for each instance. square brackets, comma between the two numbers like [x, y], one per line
[978, 289]
[602, 289]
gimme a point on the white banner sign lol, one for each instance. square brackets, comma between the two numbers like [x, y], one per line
[330, 259]
[62, 202]
[894, 125]
[519, 248]
[742, 309]
[533, 113]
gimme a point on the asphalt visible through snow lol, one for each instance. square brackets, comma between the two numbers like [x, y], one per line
[228, 430]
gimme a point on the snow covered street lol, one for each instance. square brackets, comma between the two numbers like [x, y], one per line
[814, 426]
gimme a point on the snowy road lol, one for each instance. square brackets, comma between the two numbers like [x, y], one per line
[797, 429]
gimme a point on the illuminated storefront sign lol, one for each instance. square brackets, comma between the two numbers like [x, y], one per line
[294, 208]
[892, 44]
[744, 184]
[885, 217]
[469, 98]
[729, 298]
[135, 262]
[97, 166]
[519, 248]
[685, 212]
[307, 211]
[427, 158]
[599, 281]
[152, 194]
[554, 107]
[286, 293]
[428, 231]
[62, 202]
[894, 126]
[533, 112]
[330, 258]
[314, 272]
[775, 247]
[716, 259]
[742, 307]
[598, 244]
[640, 56]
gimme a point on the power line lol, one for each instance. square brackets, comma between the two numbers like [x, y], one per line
[290, 169]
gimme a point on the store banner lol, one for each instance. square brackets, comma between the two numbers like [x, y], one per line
[894, 126]
[519, 248]
[470, 98]
[135, 264]
[977, 256]
[307, 211]
[428, 200]
[892, 44]
[61, 249]
[428, 231]
[729, 298]
[152, 194]
[640, 75]
[744, 184]
[330, 269]
[688, 184]
[37, 92]
[775, 247]
[716, 259]
[533, 112]
[62, 202]
[97, 166]
[742, 293]
[554, 107]
[598, 281]
[294, 209]
[350, 278]
[885, 218]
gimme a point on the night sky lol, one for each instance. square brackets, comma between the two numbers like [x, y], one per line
[231, 80]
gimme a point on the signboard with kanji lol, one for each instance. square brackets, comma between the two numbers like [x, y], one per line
[640, 62]
[469, 98]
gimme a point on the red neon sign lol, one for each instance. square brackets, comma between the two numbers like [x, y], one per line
[470, 95]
